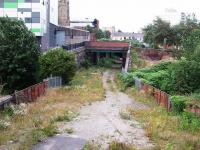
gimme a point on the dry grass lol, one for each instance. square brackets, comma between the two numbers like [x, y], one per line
[162, 127]
[56, 105]
[121, 146]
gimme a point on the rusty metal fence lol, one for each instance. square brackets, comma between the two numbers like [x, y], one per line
[32, 93]
[161, 98]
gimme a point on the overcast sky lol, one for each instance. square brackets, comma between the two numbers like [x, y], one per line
[130, 15]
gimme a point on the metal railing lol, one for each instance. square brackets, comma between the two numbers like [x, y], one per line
[54, 82]
[70, 47]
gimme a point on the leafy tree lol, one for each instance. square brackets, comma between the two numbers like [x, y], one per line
[107, 34]
[99, 33]
[157, 32]
[57, 62]
[149, 34]
[19, 53]
[184, 76]
[190, 43]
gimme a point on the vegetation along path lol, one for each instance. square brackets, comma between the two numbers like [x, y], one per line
[101, 123]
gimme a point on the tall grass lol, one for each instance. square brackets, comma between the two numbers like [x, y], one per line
[39, 122]
[166, 130]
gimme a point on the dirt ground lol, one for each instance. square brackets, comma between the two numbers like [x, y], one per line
[101, 123]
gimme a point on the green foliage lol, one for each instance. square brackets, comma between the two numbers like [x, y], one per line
[158, 31]
[180, 77]
[196, 54]
[99, 33]
[177, 35]
[190, 43]
[120, 146]
[41, 134]
[86, 63]
[136, 62]
[185, 76]
[105, 62]
[135, 43]
[19, 55]
[126, 80]
[178, 103]
[190, 121]
[58, 62]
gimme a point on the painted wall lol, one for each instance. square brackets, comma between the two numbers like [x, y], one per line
[54, 12]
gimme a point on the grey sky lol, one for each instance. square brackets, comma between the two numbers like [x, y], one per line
[130, 15]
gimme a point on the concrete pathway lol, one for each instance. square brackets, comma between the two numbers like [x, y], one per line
[101, 123]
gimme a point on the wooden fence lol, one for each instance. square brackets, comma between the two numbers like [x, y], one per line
[161, 97]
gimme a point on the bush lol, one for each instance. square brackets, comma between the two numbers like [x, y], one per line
[86, 64]
[58, 62]
[178, 103]
[190, 121]
[19, 55]
[185, 76]
[120, 146]
[126, 79]
[105, 62]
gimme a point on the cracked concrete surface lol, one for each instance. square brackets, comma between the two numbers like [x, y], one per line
[101, 123]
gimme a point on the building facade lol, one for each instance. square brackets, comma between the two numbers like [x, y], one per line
[32, 12]
[47, 19]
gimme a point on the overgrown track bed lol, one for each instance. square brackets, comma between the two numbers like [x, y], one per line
[25, 125]
[166, 130]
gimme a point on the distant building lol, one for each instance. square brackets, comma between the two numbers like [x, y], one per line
[186, 16]
[120, 36]
[110, 29]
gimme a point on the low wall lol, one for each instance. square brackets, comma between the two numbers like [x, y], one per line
[157, 54]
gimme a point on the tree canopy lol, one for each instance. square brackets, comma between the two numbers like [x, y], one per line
[19, 53]
[58, 62]
[99, 33]
[161, 32]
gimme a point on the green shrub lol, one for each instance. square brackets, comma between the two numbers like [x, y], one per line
[86, 63]
[185, 76]
[105, 62]
[41, 134]
[189, 121]
[58, 62]
[178, 103]
[120, 146]
[126, 79]
[19, 53]
[161, 66]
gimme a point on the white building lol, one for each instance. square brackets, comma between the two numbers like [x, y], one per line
[110, 29]
[120, 36]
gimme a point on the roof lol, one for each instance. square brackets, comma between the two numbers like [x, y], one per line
[70, 28]
[107, 46]
[128, 34]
